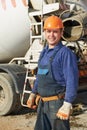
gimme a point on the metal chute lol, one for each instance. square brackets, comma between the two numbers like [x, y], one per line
[75, 27]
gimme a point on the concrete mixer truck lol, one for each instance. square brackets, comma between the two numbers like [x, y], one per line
[22, 39]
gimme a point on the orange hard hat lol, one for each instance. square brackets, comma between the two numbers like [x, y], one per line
[53, 22]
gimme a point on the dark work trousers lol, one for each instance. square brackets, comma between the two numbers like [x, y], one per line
[47, 119]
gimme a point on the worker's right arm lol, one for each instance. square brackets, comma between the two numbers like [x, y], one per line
[32, 96]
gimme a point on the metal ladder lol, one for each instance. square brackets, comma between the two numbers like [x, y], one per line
[33, 27]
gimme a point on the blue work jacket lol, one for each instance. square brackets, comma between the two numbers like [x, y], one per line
[64, 69]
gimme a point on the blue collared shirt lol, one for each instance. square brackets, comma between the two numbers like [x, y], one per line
[64, 69]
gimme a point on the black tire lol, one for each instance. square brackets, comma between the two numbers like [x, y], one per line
[9, 100]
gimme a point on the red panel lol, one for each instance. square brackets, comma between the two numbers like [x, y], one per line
[3, 2]
[24, 2]
[13, 3]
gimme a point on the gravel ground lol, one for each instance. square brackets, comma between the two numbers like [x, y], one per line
[79, 122]
[25, 120]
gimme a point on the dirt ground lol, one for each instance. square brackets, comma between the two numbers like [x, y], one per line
[25, 120]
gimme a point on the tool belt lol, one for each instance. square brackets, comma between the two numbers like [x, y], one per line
[51, 98]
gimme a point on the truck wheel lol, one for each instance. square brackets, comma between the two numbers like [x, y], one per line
[8, 97]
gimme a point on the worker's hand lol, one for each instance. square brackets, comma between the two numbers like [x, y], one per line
[31, 101]
[37, 99]
[64, 111]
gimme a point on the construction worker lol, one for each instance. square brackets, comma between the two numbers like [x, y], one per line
[56, 82]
